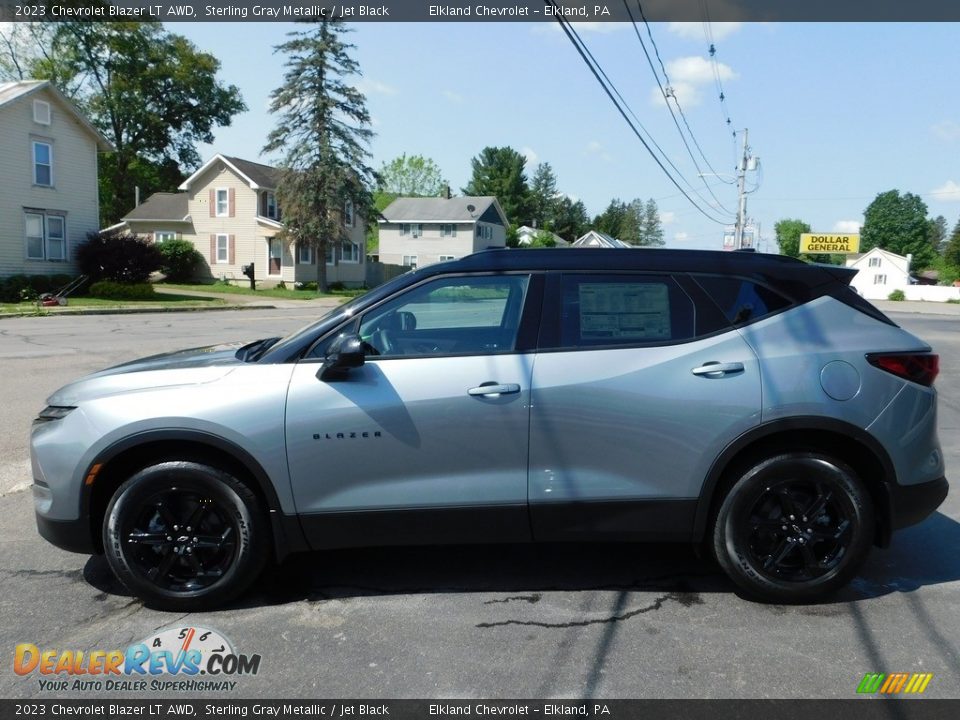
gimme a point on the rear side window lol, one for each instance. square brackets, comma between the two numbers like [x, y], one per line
[605, 310]
[741, 300]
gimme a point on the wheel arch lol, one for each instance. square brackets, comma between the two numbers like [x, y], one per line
[120, 460]
[836, 438]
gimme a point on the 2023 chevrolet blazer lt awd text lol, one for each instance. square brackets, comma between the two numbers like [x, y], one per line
[751, 404]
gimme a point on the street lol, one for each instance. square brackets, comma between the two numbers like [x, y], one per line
[560, 621]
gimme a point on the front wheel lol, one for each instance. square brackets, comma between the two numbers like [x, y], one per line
[185, 536]
[794, 528]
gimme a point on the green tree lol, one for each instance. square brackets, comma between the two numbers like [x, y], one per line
[613, 220]
[151, 92]
[571, 219]
[898, 223]
[415, 176]
[788, 233]
[543, 196]
[938, 234]
[652, 229]
[951, 252]
[323, 132]
[381, 200]
[498, 171]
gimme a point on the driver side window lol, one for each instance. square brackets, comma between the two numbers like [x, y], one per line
[450, 316]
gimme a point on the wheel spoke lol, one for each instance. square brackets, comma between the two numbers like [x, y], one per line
[195, 564]
[818, 505]
[197, 516]
[147, 538]
[764, 523]
[165, 565]
[165, 516]
[784, 547]
[810, 561]
[786, 503]
[826, 533]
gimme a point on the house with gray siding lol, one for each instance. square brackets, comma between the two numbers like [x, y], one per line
[419, 231]
[48, 185]
[228, 209]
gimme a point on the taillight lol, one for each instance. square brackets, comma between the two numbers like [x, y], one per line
[921, 368]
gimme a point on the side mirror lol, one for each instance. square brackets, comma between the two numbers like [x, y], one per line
[347, 352]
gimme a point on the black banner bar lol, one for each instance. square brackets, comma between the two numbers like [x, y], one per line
[489, 11]
[200, 709]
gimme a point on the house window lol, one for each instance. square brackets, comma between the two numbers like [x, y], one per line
[444, 258]
[160, 236]
[411, 229]
[350, 253]
[484, 232]
[223, 247]
[410, 261]
[41, 112]
[305, 254]
[223, 202]
[271, 205]
[46, 236]
[348, 213]
[448, 231]
[330, 253]
[879, 279]
[874, 262]
[43, 164]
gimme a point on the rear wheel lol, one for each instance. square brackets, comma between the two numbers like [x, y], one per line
[794, 528]
[185, 536]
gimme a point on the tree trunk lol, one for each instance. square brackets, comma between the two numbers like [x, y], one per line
[322, 267]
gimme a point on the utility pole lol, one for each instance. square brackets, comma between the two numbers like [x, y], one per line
[742, 204]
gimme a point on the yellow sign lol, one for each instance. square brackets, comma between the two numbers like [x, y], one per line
[816, 243]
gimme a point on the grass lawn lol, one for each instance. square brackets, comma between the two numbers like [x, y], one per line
[285, 293]
[77, 302]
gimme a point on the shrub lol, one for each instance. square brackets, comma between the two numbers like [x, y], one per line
[122, 291]
[311, 286]
[897, 295]
[180, 260]
[11, 288]
[335, 286]
[118, 256]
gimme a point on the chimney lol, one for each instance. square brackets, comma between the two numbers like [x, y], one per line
[445, 192]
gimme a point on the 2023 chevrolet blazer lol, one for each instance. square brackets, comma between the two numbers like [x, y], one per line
[753, 404]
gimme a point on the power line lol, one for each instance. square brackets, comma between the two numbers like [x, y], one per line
[676, 99]
[587, 57]
[712, 52]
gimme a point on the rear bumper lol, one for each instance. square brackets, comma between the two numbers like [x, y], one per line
[910, 504]
[72, 535]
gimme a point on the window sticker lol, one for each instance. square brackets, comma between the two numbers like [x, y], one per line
[630, 311]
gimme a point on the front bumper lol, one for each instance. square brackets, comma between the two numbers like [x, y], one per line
[910, 504]
[72, 535]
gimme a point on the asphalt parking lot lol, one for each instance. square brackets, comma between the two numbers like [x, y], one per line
[572, 621]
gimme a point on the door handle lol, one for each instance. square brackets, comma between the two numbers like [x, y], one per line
[718, 368]
[492, 389]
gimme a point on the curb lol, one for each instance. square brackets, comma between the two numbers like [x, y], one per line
[135, 310]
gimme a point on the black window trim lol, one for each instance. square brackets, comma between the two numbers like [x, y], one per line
[791, 301]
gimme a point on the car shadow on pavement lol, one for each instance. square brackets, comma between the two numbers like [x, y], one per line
[919, 556]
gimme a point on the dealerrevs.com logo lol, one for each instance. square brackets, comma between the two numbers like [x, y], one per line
[184, 659]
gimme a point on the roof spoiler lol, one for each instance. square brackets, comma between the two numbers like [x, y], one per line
[839, 272]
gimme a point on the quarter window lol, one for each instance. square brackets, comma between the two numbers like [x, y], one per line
[449, 316]
[741, 300]
[42, 164]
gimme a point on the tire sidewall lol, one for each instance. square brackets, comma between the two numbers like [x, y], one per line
[729, 535]
[231, 496]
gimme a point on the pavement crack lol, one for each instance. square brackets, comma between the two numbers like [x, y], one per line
[535, 598]
[685, 599]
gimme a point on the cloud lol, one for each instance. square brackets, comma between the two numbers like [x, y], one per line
[530, 156]
[947, 130]
[846, 226]
[948, 192]
[453, 97]
[685, 93]
[594, 147]
[668, 217]
[680, 237]
[694, 30]
[375, 87]
[687, 76]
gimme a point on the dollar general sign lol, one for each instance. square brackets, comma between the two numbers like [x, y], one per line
[846, 244]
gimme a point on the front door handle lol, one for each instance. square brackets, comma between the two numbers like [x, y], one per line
[492, 389]
[717, 368]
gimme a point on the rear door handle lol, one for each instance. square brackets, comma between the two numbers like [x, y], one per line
[492, 389]
[718, 368]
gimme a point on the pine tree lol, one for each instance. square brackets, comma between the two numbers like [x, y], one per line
[951, 253]
[652, 228]
[323, 132]
[543, 196]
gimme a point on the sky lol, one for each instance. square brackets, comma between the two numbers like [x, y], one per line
[836, 112]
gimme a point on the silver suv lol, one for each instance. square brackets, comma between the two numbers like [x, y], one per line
[749, 403]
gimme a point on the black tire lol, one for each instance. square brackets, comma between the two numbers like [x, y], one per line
[794, 528]
[185, 536]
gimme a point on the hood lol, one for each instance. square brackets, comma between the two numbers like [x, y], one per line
[183, 367]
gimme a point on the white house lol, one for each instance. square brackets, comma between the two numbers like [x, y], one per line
[881, 272]
[526, 234]
[49, 198]
[597, 239]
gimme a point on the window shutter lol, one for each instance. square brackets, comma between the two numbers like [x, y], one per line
[231, 203]
[213, 247]
[232, 256]
[213, 203]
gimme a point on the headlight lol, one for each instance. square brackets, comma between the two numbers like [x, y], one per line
[54, 412]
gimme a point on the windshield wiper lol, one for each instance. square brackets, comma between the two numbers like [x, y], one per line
[252, 351]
